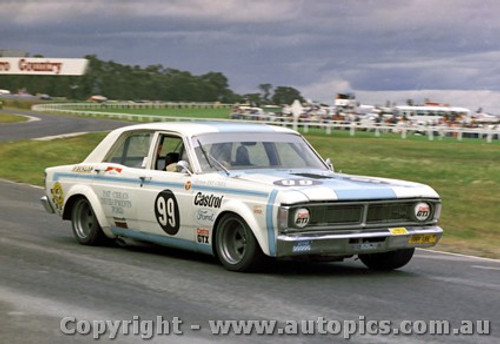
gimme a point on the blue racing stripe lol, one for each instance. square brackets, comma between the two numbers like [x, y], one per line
[59, 175]
[163, 240]
[269, 223]
[165, 184]
[230, 191]
[177, 185]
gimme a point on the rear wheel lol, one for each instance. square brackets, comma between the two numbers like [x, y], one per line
[387, 260]
[86, 228]
[236, 246]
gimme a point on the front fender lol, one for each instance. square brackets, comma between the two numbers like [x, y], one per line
[87, 192]
[256, 220]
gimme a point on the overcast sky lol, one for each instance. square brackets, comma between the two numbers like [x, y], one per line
[445, 50]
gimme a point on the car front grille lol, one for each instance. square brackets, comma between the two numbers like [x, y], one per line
[390, 212]
[341, 214]
[362, 214]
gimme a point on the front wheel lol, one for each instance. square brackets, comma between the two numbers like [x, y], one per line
[86, 228]
[387, 260]
[236, 246]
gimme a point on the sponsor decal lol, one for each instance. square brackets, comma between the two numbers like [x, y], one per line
[208, 200]
[422, 211]
[83, 169]
[210, 182]
[365, 246]
[57, 195]
[167, 212]
[257, 210]
[301, 217]
[113, 169]
[117, 200]
[398, 231]
[302, 246]
[120, 222]
[202, 236]
[205, 217]
[187, 185]
[297, 182]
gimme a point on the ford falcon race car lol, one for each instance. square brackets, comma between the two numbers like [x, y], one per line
[241, 192]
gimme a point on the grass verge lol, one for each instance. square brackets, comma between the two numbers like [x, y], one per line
[176, 112]
[8, 118]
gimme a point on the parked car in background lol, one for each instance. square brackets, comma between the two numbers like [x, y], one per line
[239, 191]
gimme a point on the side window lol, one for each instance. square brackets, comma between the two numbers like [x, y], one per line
[131, 149]
[169, 151]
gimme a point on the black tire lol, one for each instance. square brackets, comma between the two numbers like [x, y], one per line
[236, 246]
[86, 228]
[387, 260]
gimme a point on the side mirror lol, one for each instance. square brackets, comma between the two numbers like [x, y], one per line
[329, 164]
[183, 166]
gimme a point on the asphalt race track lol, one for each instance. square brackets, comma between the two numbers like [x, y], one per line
[49, 282]
[51, 125]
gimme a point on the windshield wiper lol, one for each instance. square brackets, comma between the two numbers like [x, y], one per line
[209, 157]
[204, 153]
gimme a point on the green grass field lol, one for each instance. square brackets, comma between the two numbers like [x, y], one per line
[215, 112]
[9, 118]
[466, 174]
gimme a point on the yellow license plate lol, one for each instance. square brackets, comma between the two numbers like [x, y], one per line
[423, 239]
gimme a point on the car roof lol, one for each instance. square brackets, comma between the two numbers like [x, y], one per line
[193, 128]
[186, 129]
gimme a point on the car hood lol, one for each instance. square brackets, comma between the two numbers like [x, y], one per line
[323, 186]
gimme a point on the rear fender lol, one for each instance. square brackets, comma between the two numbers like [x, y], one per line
[86, 191]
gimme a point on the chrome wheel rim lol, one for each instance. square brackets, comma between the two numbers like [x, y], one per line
[233, 241]
[85, 220]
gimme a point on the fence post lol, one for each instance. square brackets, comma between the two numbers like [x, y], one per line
[352, 130]
[403, 134]
[328, 128]
[430, 133]
[459, 135]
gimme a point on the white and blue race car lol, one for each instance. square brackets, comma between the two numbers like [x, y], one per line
[242, 192]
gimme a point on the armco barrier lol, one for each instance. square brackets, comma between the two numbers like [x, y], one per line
[488, 133]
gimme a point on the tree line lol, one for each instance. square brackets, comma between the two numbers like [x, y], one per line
[154, 82]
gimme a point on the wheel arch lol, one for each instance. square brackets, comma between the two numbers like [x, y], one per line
[243, 210]
[84, 191]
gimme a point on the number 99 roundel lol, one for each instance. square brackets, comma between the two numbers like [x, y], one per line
[167, 212]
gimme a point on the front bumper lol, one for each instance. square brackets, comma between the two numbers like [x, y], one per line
[47, 205]
[347, 243]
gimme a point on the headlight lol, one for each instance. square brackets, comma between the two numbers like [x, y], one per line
[301, 217]
[422, 211]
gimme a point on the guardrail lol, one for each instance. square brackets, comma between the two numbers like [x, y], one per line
[488, 133]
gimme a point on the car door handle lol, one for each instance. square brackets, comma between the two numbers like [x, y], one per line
[144, 180]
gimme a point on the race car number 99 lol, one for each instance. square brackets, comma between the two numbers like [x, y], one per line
[167, 212]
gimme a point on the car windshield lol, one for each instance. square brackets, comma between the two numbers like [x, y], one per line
[243, 151]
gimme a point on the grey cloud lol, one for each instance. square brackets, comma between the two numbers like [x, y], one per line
[367, 45]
